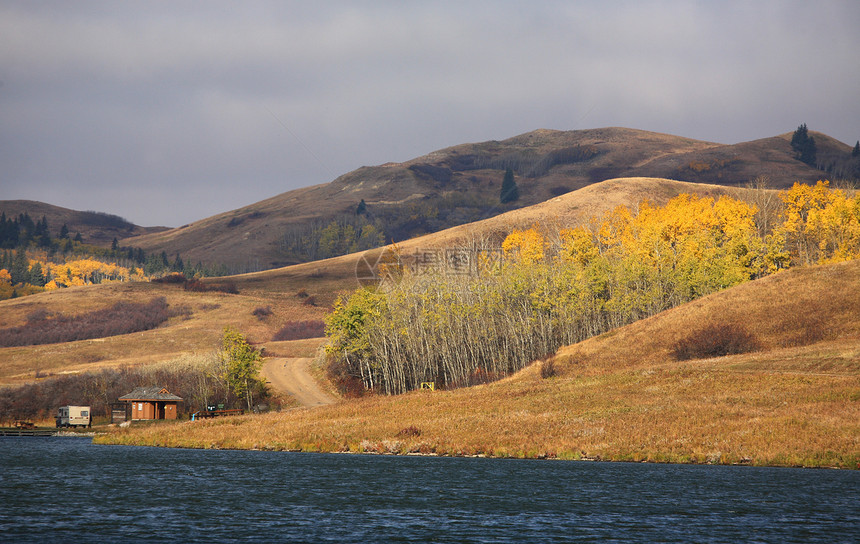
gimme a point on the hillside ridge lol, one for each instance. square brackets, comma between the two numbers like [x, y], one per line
[461, 184]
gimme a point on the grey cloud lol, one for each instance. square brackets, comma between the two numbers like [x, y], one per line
[120, 106]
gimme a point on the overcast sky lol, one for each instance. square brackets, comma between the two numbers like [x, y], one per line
[169, 112]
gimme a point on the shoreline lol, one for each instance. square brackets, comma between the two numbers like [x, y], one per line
[587, 459]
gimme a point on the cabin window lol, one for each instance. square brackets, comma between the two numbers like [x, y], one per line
[85, 413]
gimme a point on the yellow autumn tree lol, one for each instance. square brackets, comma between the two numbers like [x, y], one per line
[835, 228]
[798, 203]
[578, 245]
[525, 246]
[85, 272]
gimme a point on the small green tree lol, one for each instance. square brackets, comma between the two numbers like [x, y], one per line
[241, 364]
[510, 191]
[361, 208]
[856, 151]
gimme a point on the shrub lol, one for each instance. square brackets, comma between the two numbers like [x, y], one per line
[715, 340]
[121, 318]
[411, 430]
[349, 385]
[547, 369]
[172, 279]
[262, 312]
[300, 330]
[198, 286]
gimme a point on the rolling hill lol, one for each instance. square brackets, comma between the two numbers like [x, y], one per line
[461, 184]
[278, 288]
[97, 228]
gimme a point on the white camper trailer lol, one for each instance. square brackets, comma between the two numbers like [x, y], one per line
[73, 416]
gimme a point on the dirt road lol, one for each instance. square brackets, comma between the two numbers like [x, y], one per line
[293, 376]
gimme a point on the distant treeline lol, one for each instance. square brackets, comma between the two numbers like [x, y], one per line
[375, 225]
[122, 318]
[31, 257]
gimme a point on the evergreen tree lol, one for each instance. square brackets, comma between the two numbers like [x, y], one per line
[37, 277]
[856, 151]
[510, 191]
[43, 234]
[6, 261]
[804, 145]
[64, 232]
[178, 265]
[361, 208]
[20, 270]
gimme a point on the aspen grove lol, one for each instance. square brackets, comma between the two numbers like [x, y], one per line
[555, 288]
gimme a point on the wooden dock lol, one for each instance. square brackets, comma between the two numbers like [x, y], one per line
[13, 431]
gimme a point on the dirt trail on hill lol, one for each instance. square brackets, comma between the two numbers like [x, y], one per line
[293, 376]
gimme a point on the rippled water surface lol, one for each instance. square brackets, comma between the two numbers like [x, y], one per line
[69, 490]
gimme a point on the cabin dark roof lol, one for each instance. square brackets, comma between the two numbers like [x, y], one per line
[150, 393]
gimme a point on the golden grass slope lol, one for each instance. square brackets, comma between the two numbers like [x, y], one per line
[620, 396]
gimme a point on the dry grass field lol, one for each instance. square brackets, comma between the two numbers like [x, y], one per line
[198, 332]
[623, 396]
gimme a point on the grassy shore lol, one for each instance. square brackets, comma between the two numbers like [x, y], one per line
[715, 411]
[794, 400]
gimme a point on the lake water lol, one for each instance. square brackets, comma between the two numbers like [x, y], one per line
[70, 490]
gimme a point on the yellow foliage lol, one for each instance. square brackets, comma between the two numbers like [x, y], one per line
[820, 224]
[578, 245]
[5, 276]
[86, 271]
[525, 246]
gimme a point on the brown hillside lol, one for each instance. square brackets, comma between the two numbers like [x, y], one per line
[461, 184]
[95, 228]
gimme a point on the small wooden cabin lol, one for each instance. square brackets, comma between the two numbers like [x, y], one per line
[152, 403]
